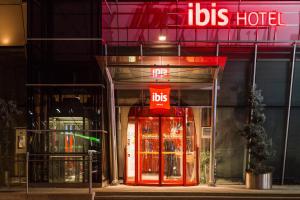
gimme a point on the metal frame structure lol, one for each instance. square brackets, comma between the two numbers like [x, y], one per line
[256, 44]
[104, 64]
[289, 112]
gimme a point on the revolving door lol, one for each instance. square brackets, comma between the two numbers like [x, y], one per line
[161, 149]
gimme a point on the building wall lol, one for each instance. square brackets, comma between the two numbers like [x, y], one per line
[64, 19]
[273, 78]
[63, 40]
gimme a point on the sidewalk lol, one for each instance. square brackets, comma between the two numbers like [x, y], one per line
[124, 190]
[46, 194]
[228, 189]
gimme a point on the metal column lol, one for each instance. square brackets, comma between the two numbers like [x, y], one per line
[247, 165]
[27, 172]
[113, 156]
[289, 113]
[254, 66]
[213, 134]
[212, 162]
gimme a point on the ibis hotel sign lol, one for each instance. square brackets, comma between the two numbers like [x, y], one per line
[159, 98]
[137, 21]
[217, 16]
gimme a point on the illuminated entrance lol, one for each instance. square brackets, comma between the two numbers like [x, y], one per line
[161, 149]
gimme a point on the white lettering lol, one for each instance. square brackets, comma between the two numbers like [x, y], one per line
[253, 19]
[222, 14]
[272, 18]
[239, 18]
[213, 15]
[191, 14]
[159, 97]
[220, 17]
[206, 14]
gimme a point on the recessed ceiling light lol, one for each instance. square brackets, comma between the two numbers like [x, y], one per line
[162, 38]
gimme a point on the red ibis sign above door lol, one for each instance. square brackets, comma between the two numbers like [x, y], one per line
[215, 16]
[159, 98]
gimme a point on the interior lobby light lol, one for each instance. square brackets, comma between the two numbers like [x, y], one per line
[162, 38]
[5, 41]
[131, 59]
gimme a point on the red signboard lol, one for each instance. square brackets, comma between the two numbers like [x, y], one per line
[159, 99]
[190, 21]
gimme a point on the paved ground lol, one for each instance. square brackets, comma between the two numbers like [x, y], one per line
[122, 192]
[228, 189]
[220, 192]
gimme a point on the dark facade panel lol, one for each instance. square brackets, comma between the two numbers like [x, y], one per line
[275, 129]
[234, 84]
[293, 159]
[296, 86]
[230, 146]
[273, 79]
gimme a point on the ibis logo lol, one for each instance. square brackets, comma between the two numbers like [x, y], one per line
[160, 97]
[202, 16]
[160, 72]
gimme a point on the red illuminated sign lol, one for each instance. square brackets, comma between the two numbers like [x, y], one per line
[160, 72]
[160, 98]
[219, 17]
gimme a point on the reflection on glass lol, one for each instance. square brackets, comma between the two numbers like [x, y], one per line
[67, 140]
[172, 149]
[148, 149]
[191, 156]
[130, 152]
[206, 117]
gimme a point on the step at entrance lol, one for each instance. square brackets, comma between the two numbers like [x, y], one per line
[188, 195]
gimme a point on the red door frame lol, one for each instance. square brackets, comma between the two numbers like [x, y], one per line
[161, 167]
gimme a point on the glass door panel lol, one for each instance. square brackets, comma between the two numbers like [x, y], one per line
[191, 154]
[148, 150]
[130, 151]
[172, 150]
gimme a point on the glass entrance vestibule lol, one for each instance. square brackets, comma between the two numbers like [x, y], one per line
[161, 147]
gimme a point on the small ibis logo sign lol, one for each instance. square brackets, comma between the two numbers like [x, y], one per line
[159, 98]
[160, 72]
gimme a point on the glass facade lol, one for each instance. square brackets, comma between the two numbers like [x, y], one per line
[62, 127]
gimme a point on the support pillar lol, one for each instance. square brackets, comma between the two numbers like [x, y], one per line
[212, 162]
[113, 157]
[289, 113]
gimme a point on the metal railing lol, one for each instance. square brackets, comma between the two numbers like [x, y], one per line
[66, 159]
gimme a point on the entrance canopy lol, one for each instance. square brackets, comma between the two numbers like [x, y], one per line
[180, 72]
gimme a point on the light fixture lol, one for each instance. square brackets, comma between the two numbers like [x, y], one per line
[131, 59]
[5, 41]
[162, 38]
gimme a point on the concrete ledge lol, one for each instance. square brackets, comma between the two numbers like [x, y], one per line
[60, 197]
[45, 196]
